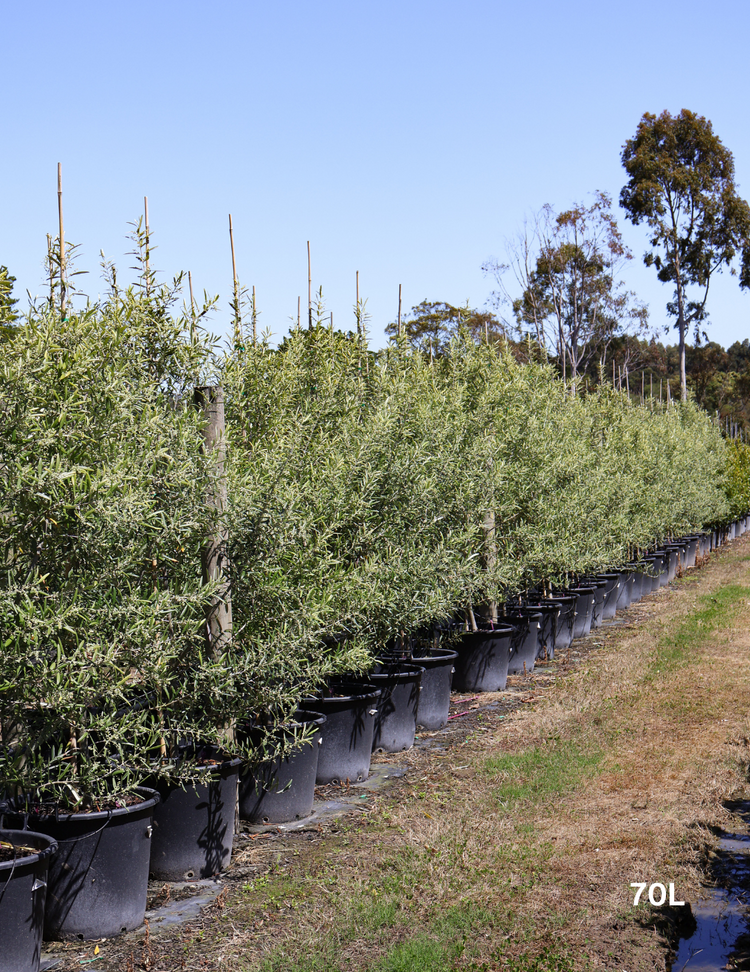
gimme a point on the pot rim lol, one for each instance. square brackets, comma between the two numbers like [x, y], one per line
[47, 851]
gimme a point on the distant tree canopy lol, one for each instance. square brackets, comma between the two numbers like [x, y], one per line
[7, 303]
[719, 379]
[681, 184]
[567, 266]
[430, 326]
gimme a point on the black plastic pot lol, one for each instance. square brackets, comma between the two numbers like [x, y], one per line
[397, 705]
[692, 549]
[650, 569]
[23, 886]
[600, 588]
[350, 723]
[674, 553]
[483, 658]
[550, 613]
[611, 593]
[584, 609]
[99, 877]
[194, 824]
[663, 569]
[565, 621]
[637, 590]
[681, 547]
[435, 694]
[525, 642]
[627, 579]
[283, 789]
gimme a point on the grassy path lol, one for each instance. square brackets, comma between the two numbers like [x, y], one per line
[514, 847]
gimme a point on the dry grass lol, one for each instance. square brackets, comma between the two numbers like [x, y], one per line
[514, 847]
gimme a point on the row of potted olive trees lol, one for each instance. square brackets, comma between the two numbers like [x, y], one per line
[368, 495]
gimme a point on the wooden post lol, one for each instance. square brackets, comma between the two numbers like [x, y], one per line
[210, 400]
[490, 551]
[63, 293]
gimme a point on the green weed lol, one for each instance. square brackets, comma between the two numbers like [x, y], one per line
[718, 611]
[542, 772]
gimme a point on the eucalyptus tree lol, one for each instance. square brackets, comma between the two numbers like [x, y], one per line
[432, 325]
[572, 299]
[681, 184]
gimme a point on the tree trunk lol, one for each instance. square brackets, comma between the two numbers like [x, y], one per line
[490, 552]
[210, 399]
[214, 561]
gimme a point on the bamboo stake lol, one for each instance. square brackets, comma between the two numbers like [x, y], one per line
[236, 288]
[309, 288]
[359, 316]
[255, 321]
[51, 274]
[643, 386]
[192, 308]
[63, 293]
[299, 307]
[490, 552]
[148, 245]
[627, 380]
[399, 310]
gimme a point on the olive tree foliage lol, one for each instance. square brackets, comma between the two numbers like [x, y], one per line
[353, 492]
[567, 267]
[738, 478]
[8, 314]
[583, 483]
[369, 495]
[681, 185]
[101, 522]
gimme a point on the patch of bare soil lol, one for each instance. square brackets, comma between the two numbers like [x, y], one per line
[513, 837]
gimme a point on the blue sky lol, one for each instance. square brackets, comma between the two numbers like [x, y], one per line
[406, 140]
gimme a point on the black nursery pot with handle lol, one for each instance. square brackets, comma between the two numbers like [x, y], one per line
[283, 789]
[23, 885]
[98, 879]
[194, 822]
